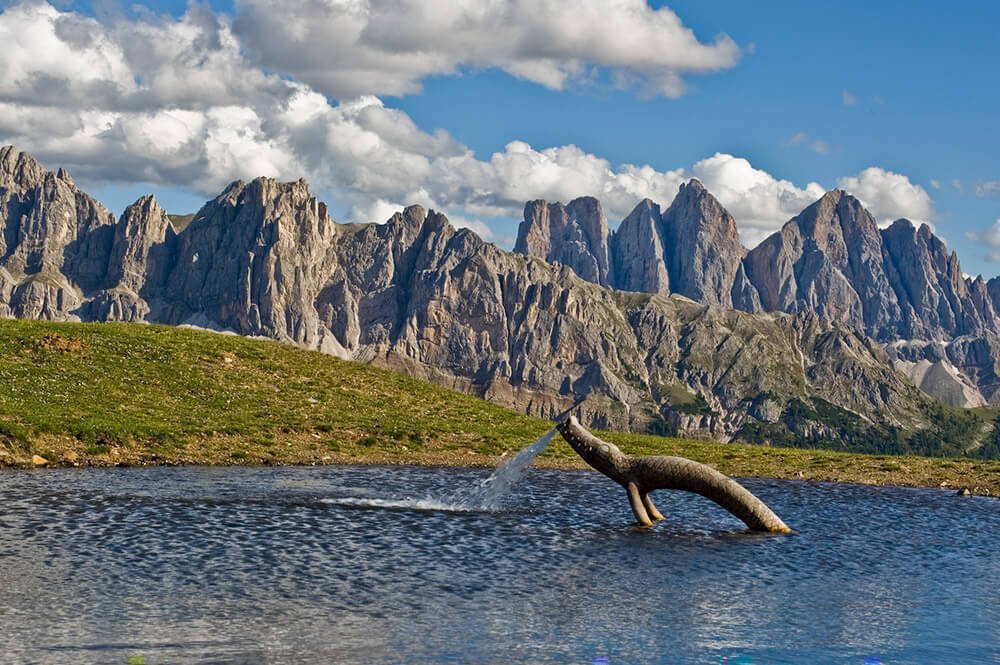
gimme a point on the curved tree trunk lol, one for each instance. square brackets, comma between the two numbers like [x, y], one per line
[641, 475]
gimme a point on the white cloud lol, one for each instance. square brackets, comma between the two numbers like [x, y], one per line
[988, 188]
[501, 185]
[62, 59]
[991, 238]
[819, 146]
[49, 55]
[480, 228]
[889, 196]
[189, 110]
[758, 201]
[388, 47]
[847, 98]
[935, 184]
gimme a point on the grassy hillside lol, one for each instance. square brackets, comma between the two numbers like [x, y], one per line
[78, 394]
[189, 395]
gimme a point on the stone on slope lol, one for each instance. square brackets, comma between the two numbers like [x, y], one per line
[941, 380]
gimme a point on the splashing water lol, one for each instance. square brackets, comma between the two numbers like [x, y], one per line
[486, 496]
[427, 504]
[489, 493]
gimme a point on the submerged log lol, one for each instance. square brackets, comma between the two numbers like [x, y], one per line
[641, 475]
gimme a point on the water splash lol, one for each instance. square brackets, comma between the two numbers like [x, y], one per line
[428, 504]
[486, 496]
[489, 493]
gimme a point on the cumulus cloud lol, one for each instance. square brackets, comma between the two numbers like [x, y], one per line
[991, 238]
[889, 196]
[387, 47]
[758, 201]
[183, 106]
[62, 59]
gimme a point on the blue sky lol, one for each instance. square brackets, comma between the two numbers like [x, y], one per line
[923, 79]
[819, 93]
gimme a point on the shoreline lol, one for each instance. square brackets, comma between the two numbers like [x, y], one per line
[979, 477]
[106, 395]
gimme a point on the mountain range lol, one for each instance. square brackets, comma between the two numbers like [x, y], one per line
[900, 284]
[824, 332]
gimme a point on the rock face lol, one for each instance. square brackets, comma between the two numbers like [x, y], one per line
[252, 260]
[827, 260]
[637, 251]
[993, 289]
[704, 255]
[934, 296]
[264, 258]
[941, 379]
[692, 249]
[141, 253]
[575, 235]
[56, 240]
[442, 304]
[895, 284]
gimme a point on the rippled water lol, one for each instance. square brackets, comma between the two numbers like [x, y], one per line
[362, 564]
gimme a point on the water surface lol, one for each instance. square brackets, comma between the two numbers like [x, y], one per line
[383, 565]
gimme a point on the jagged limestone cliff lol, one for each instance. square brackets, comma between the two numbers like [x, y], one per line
[264, 258]
[900, 284]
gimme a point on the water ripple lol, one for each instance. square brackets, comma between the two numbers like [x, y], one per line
[344, 564]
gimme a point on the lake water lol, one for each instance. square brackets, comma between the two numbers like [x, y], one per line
[365, 565]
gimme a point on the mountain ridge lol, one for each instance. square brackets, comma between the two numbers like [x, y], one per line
[265, 259]
[898, 283]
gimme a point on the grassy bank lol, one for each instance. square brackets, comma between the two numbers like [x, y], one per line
[109, 394]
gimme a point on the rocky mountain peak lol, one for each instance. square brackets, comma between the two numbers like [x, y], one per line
[231, 191]
[269, 190]
[692, 248]
[693, 184]
[702, 246]
[934, 296]
[146, 204]
[904, 225]
[698, 208]
[264, 258]
[407, 225]
[575, 235]
[637, 251]
[54, 240]
[412, 217]
[993, 288]
[140, 258]
[836, 219]
[19, 170]
[828, 259]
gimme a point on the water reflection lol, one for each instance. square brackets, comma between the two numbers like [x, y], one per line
[345, 564]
